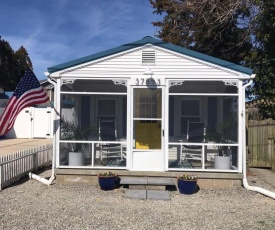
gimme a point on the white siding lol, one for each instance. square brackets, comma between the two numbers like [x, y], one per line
[168, 64]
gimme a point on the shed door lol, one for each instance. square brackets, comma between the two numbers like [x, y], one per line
[42, 123]
[147, 132]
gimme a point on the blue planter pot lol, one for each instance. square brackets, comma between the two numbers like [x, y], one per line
[107, 183]
[187, 186]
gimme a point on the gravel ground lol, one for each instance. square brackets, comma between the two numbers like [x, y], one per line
[30, 204]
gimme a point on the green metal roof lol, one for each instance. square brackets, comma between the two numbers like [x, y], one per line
[155, 42]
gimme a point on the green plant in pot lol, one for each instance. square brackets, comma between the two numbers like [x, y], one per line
[71, 131]
[225, 132]
[187, 184]
[107, 180]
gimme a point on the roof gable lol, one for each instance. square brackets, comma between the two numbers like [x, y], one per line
[155, 42]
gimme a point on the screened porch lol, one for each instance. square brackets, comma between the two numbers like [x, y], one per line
[192, 123]
[203, 125]
[93, 124]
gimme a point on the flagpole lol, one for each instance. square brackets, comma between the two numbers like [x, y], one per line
[54, 108]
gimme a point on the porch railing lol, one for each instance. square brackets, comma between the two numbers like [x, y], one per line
[19, 164]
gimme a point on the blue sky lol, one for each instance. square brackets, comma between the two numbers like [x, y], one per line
[56, 31]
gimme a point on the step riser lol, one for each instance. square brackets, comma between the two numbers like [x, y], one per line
[147, 187]
[147, 194]
[147, 181]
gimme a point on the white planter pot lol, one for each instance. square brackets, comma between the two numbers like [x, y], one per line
[222, 162]
[76, 159]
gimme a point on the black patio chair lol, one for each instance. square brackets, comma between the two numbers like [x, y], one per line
[195, 134]
[107, 129]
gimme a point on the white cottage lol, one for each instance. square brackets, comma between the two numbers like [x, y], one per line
[150, 108]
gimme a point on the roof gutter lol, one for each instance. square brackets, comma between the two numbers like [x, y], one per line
[39, 178]
[245, 183]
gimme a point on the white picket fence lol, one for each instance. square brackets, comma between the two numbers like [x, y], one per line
[19, 164]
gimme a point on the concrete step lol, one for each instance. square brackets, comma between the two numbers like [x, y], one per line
[133, 180]
[147, 181]
[147, 187]
[146, 194]
[161, 181]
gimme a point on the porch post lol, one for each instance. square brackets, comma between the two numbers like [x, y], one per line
[129, 128]
[166, 125]
[241, 115]
[56, 132]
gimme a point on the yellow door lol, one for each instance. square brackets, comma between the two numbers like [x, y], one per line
[148, 135]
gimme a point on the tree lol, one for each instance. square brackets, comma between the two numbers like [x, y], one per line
[262, 58]
[12, 65]
[7, 61]
[239, 31]
[214, 27]
[23, 62]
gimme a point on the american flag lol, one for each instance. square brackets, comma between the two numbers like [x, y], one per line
[28, 92]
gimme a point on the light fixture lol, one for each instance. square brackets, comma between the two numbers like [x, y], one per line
[148, 71]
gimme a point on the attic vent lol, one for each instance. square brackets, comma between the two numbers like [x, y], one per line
[148, 56]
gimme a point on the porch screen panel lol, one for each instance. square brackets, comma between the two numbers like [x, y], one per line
[147, 118]
[70, 121]
[190, 112]
[80, 85]
[213, 104]
[223, 129]
[222, 87]
[212, 111]
[91, 128]
[106, 108]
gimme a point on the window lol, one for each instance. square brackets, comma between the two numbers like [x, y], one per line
[190, 110]
[147, 103]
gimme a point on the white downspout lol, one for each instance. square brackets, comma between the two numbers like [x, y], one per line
[245, 183]
[39, 178]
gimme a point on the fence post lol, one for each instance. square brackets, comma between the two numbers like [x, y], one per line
[1, 174]
[35, 160]
[1, 177]
[272, 146]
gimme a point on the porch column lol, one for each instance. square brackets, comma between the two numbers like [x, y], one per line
[241, 120]
[56, 125]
